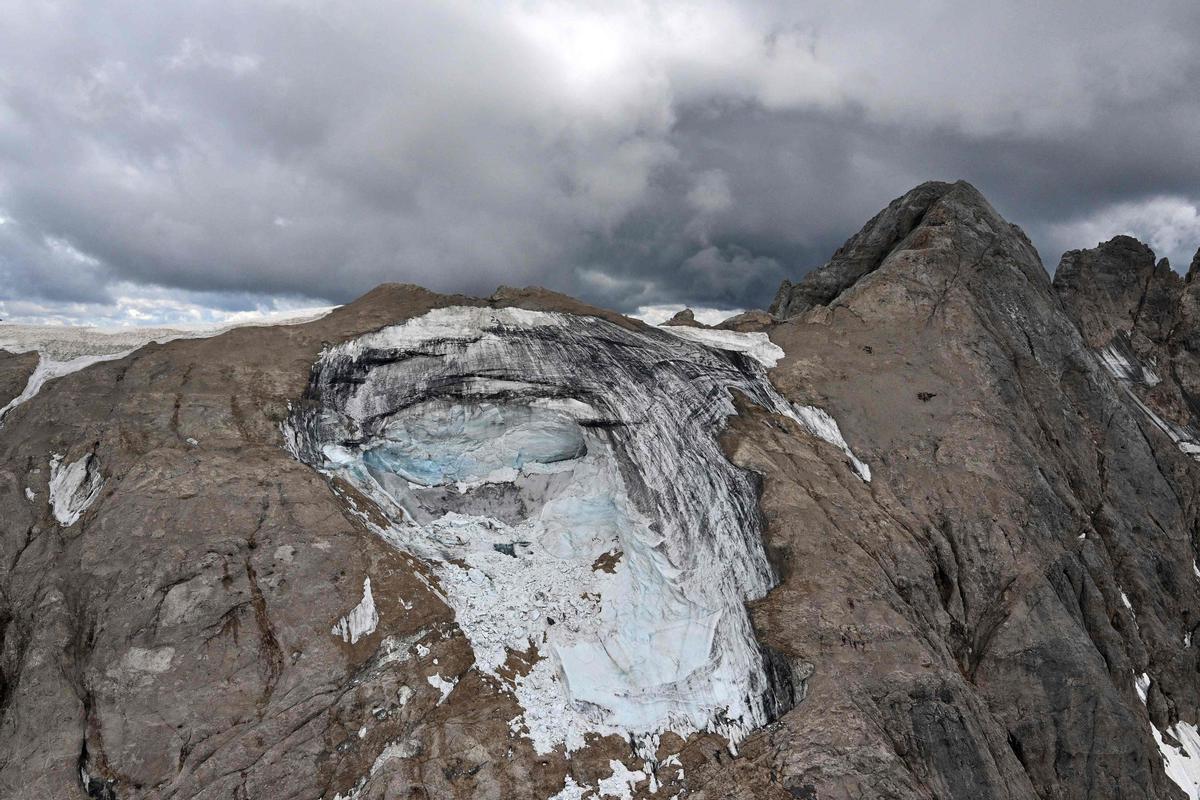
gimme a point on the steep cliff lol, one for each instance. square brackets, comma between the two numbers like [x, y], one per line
[1033, 553]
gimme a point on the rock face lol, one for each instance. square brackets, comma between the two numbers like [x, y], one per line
[1144, 321]
[863, 253]
[930, 536]
[687, 318]
[1032, 554]
[15, 369]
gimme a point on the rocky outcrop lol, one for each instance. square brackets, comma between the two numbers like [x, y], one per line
[266, 564]
[1118, 287]
[15, 369]
[1143, 321]
[687, 318]
[863, 253]
[749, 321]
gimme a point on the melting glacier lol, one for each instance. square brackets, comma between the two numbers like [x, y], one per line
[563, 477]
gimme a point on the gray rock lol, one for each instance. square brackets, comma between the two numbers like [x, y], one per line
[1118, 287]
[15, 369]
[1020, 492]
[862, 253]
[687, 318]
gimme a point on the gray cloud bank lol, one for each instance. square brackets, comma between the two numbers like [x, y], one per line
[176, 156]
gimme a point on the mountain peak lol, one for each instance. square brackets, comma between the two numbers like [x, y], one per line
[933, 204]
[1118, 286]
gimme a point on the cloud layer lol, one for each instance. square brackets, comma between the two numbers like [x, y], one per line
[631, 153]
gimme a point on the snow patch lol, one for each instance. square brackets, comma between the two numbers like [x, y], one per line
[362, 619]
[1184, 438]
[73, 488]
[1126, 603]
[1181, 761]
[1121, 362]
[621, 782]
[1123, 365]
[756, 345]
[47, 370]
[443, 685]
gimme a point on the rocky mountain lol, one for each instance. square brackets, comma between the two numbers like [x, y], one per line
[926, 531]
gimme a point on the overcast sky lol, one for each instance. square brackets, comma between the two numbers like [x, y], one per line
[174, 161]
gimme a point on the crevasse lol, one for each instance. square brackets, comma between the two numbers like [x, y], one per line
[562, 475]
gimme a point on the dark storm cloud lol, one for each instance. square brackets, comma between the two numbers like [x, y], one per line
[627, 152]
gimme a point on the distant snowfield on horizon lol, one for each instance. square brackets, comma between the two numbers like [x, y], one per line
[658, 314]
[63, 349]
[67, 342]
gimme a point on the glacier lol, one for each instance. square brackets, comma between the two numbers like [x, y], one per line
[563, 477]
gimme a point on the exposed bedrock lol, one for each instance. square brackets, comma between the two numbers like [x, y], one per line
[15, 369]
[1143, 320]
[1033, 527]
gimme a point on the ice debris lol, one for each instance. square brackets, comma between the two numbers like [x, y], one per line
[621, 782]
[73, 488]
[362, 619]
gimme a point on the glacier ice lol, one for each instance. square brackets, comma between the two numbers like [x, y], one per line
[754, 344]
[362, 619]
[759, 346]
[73, 488]
[563, 477]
